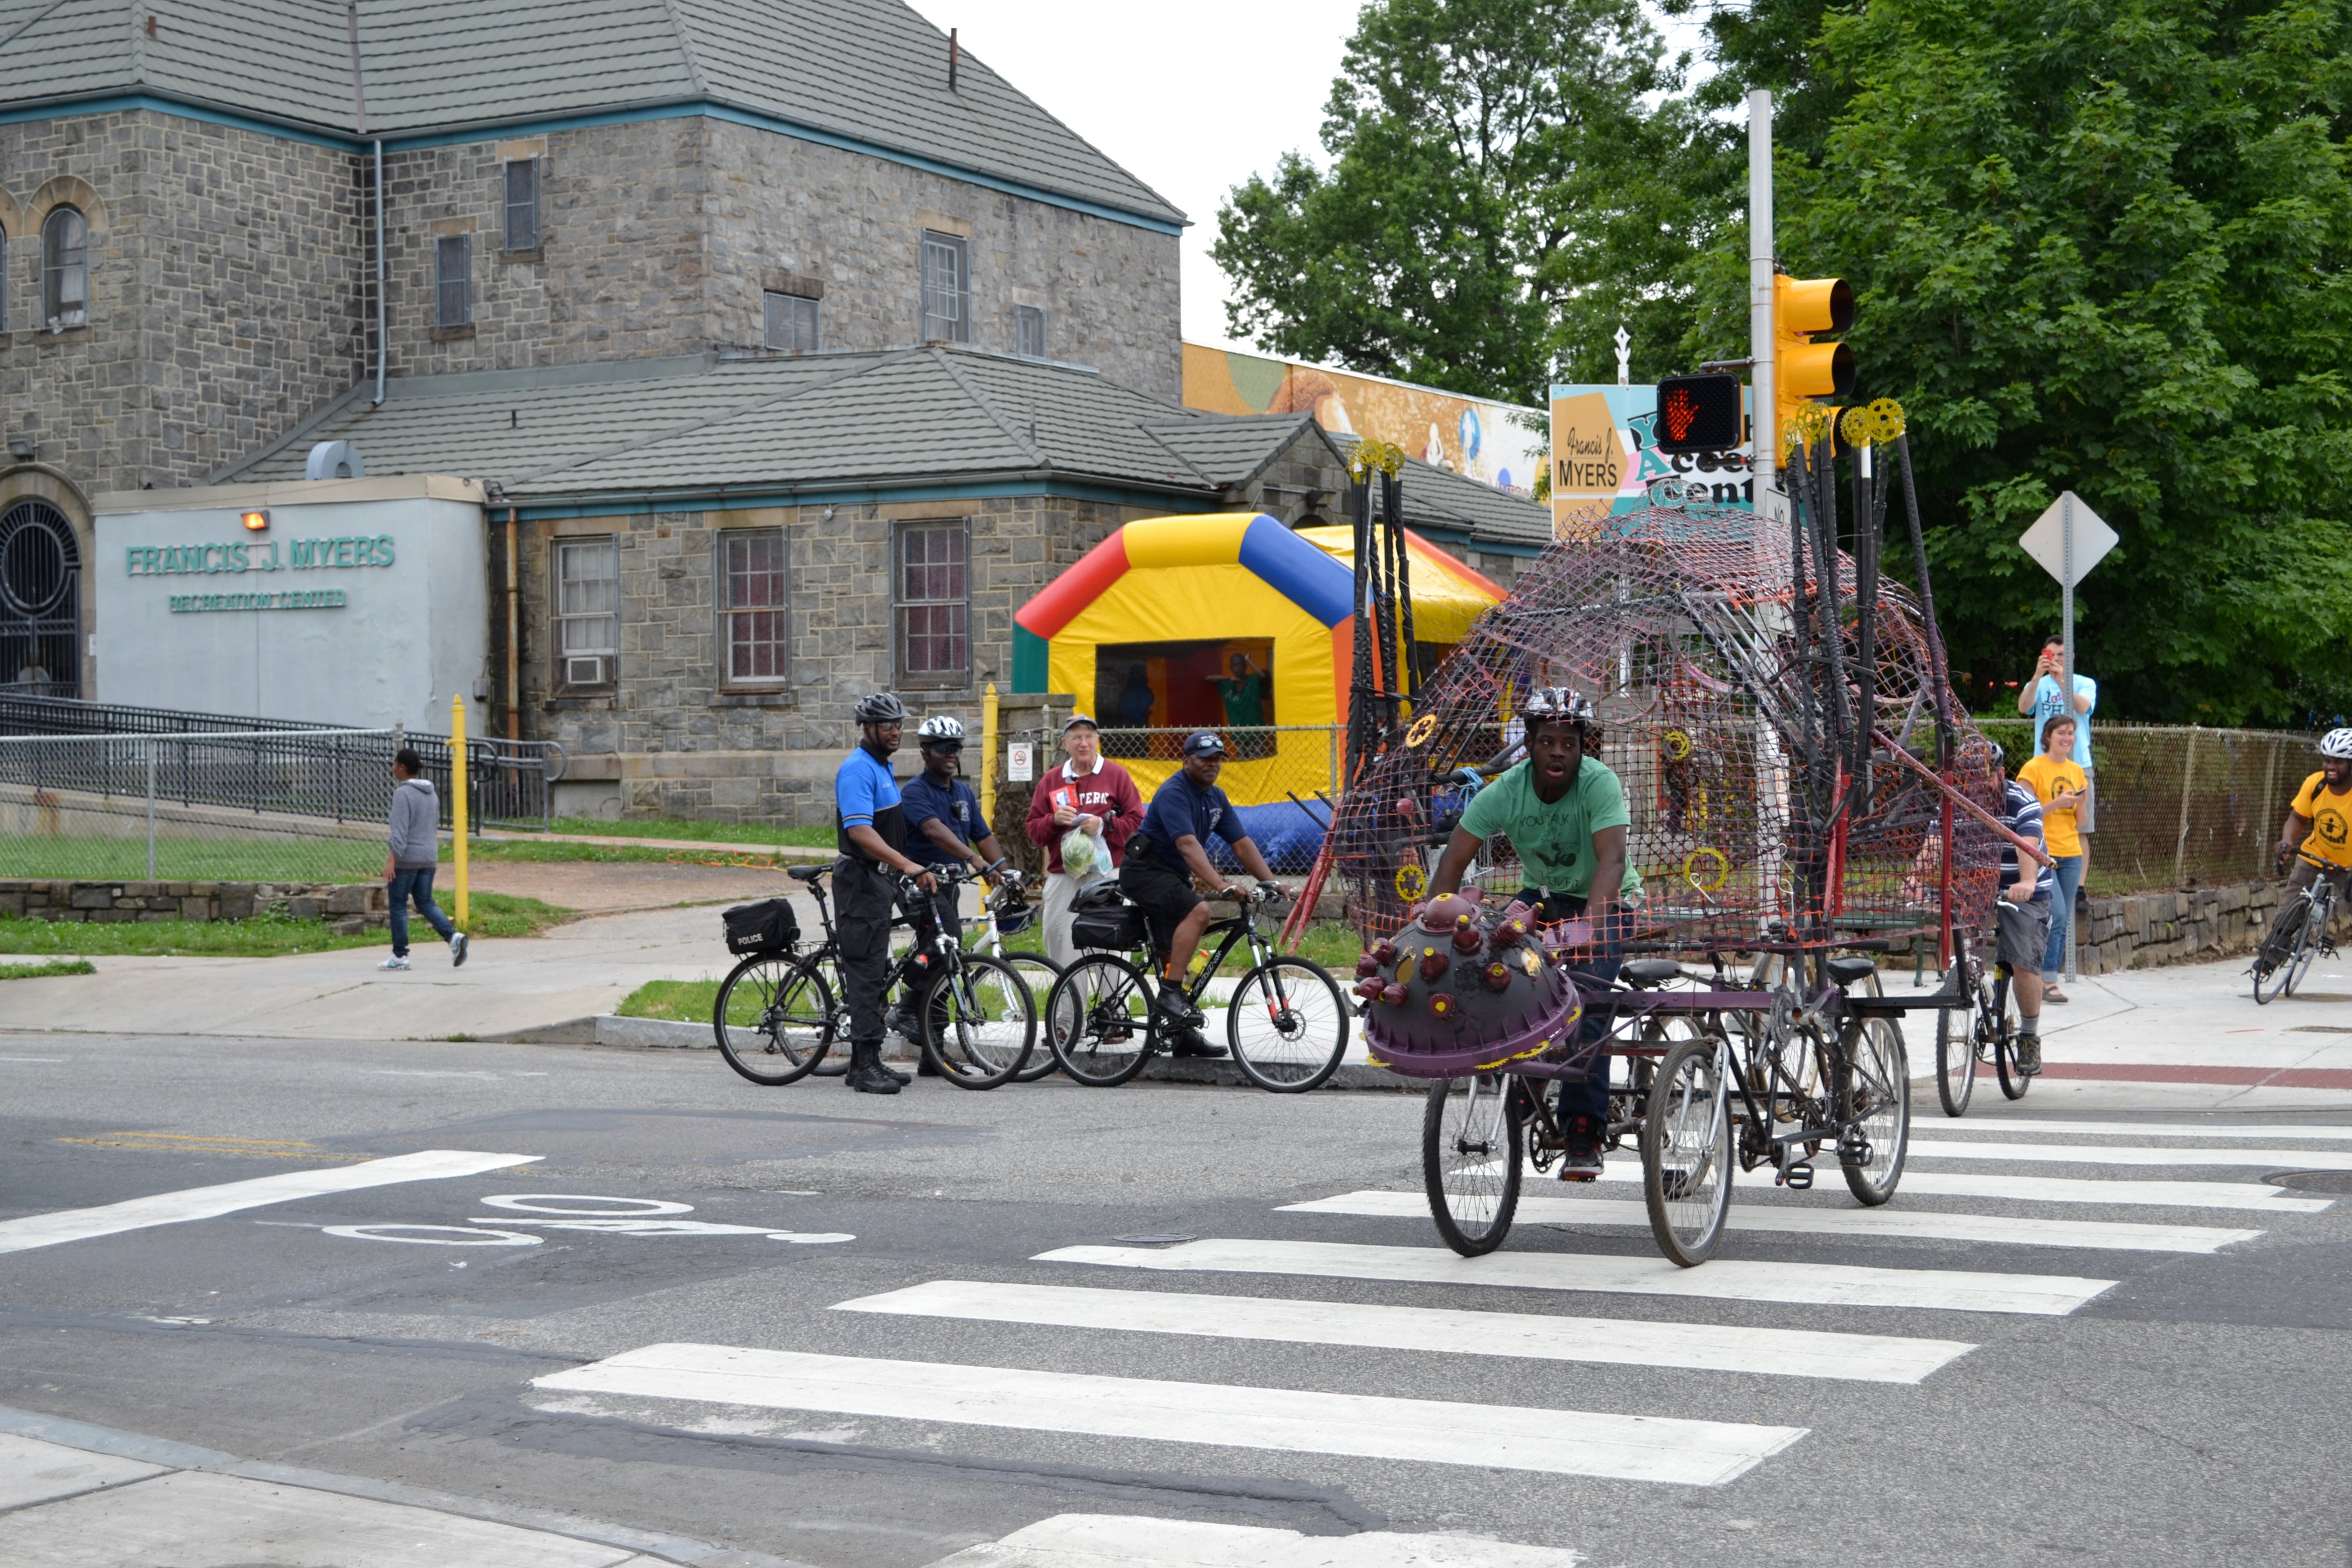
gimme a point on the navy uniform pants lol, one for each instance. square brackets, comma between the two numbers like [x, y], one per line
[1590, 1098]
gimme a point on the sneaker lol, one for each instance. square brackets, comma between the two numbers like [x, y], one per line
[2029, 1053]
[1192, 1043]
[1177, 1008]
[1582, 1162]
[398, 960]
[457, 950]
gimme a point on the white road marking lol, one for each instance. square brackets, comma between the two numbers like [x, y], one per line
[1997, 1125]
[445, 1235]
[2111, 1234]
[1734, 1280]
[650, 1225]
[1119, 1541]
[2254, 1196]
[1706, 1347]
[550, 1203]
[1490, 1437]
[209, 1202]
[2141, 1154]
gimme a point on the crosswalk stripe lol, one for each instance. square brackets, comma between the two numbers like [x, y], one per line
[1706, 1347]
[1134, 1541]
[2115, 1236]
[2136, 1154]
[1735, 1280]
[2255, 1195]
[1492, 1436]
[2003, 1124]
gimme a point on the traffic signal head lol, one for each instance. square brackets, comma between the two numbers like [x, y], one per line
[1802, 368]
[1697, 413]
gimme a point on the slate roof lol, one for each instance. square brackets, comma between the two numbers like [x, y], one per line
[634, 432]
[873, 72]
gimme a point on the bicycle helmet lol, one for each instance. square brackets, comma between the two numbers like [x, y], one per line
[2336, 744]
[937, 729]
[881, 708]
[1561, 704]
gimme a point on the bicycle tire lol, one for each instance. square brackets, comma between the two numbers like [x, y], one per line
[1875, 1100]
[1038, 973]
[1287, 1025]
[1473, 1154]
[1956, 1059]
[2281, 970]
[1098, 1021]
[2307, 945]
[978, 1021]
[1687, 1152]
[775, 1018]
[2014, 1079]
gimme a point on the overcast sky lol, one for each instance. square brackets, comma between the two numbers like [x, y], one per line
[1193, 101]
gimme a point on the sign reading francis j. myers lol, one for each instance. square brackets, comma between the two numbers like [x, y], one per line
[243, 556]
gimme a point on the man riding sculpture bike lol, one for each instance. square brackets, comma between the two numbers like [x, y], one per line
[2315, 839]
[870, 831]
[1564, 812]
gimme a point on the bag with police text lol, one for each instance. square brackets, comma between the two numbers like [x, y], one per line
[767, 926]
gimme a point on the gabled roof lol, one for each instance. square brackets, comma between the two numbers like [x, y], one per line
[684, 431]
[871, 72]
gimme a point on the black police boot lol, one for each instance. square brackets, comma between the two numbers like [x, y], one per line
[1192, 1043]
[867, 1074]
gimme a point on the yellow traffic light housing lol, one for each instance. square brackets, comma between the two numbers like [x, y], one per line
[1801, 368]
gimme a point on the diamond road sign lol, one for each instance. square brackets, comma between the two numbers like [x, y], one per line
[2046, 540]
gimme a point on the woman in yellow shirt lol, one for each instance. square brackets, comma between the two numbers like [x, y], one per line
[2058, 782]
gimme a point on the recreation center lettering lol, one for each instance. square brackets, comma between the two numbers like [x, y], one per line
[245, 556]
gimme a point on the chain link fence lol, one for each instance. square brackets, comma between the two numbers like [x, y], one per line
[1282, 780]
[2180, 805]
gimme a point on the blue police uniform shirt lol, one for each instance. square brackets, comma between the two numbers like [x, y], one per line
[952, 802]
[864, 795]
[1180, 806]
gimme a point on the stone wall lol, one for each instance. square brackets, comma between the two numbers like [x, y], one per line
[2144, 929]
[352, 906]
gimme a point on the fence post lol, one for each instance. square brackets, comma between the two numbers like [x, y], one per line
[149, 750]
[2188, 777]
[988, 752]
[2262, 831]
[459, 778]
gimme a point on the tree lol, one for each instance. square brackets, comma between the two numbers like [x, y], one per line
[2107, 248]
[1507, 180]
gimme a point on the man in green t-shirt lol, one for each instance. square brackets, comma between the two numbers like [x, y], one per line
[1565, 814]
[1244, 697]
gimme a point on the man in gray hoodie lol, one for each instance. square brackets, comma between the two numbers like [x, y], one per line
[416, 853]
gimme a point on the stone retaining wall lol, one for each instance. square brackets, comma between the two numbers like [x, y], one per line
[350, 906]
[2144, 929]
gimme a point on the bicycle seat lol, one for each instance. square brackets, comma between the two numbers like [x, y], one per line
[1646, 972]
[1851, 971]
[806, 873]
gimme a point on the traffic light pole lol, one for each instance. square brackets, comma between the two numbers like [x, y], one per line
[1764, 440]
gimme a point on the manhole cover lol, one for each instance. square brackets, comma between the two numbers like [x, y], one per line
[1154, 1240]
[2312, 1181]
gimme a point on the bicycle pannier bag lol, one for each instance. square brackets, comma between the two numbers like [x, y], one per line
[1117, 926]
[767, 926]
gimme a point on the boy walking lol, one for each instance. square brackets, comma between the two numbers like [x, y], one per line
[415, 855]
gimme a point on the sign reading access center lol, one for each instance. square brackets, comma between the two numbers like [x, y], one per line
[387, 580]
[1605, 461]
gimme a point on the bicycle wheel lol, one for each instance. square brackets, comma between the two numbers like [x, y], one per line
[1098, 1021]
[1687, 1152]
[2280, 950]
[2307, 945]
[1287, 1024]
[1956, 1059]
[2014, 1080]
[1874, 1106]
[979, 1022]
[775, 1018]
[1038, 973]
[1472, 1146]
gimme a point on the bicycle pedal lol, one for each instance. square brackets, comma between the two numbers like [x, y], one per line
[1580, 1175]
[1796, 1178]
[1856, 1152]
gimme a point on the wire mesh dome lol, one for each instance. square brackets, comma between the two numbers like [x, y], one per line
[1768, 807]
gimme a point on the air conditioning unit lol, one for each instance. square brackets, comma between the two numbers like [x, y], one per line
[584, 669]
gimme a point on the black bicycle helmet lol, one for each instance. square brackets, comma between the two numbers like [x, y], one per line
[881, 708]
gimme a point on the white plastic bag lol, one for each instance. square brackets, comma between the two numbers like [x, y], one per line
[1082, 856]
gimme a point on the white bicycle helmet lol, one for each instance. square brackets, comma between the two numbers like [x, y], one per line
[2336, 744]
[1560, 702]
[940, 727]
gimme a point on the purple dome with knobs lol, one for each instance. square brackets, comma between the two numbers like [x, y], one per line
[1463, 990]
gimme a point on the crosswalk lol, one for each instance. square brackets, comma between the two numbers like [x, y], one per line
[1948, 1262]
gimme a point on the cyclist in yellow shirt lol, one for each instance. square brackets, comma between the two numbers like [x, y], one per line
[2060, 783]
[2318, 835]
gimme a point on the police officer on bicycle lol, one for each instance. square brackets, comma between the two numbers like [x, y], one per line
[870, 831]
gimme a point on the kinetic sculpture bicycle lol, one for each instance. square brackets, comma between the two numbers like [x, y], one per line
[1802, 793]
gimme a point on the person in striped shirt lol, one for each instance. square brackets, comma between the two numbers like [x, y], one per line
[2022, 912]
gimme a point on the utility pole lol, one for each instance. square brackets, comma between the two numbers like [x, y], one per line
[1764, 441]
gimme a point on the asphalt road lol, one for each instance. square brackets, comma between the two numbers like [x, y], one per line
[2193, 1411]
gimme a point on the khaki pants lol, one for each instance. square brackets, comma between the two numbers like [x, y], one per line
[1061, 891]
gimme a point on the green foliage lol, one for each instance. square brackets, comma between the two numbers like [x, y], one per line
[691, 832]
[673, 1001]
[1508, 179]
[43, 971]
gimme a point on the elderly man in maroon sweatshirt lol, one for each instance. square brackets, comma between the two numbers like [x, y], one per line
[1087, 792]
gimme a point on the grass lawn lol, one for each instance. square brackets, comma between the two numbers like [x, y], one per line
[264, 936]
[819, 838]
[540, 851]
[679, 1000]
[96, 859]
[39, 971]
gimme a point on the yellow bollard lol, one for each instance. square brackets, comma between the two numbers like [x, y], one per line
[988, 756]
[457, 791]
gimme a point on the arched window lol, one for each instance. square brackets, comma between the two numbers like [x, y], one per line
[40, 602]
[65, 270]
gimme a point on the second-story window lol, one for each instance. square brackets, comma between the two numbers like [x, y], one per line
[587, 612]
[947, 289]
[753, 606]
[65, 270]
[1029, 331]
[522, 203]
[791, 323]
[933, 604]
[453, 279]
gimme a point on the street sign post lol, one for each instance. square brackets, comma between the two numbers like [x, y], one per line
[2067, 541]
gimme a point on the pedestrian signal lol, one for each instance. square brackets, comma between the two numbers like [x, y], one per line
[1801, 368]
[1697, 413]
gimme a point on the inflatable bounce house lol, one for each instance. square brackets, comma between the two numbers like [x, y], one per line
[1236, 624]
